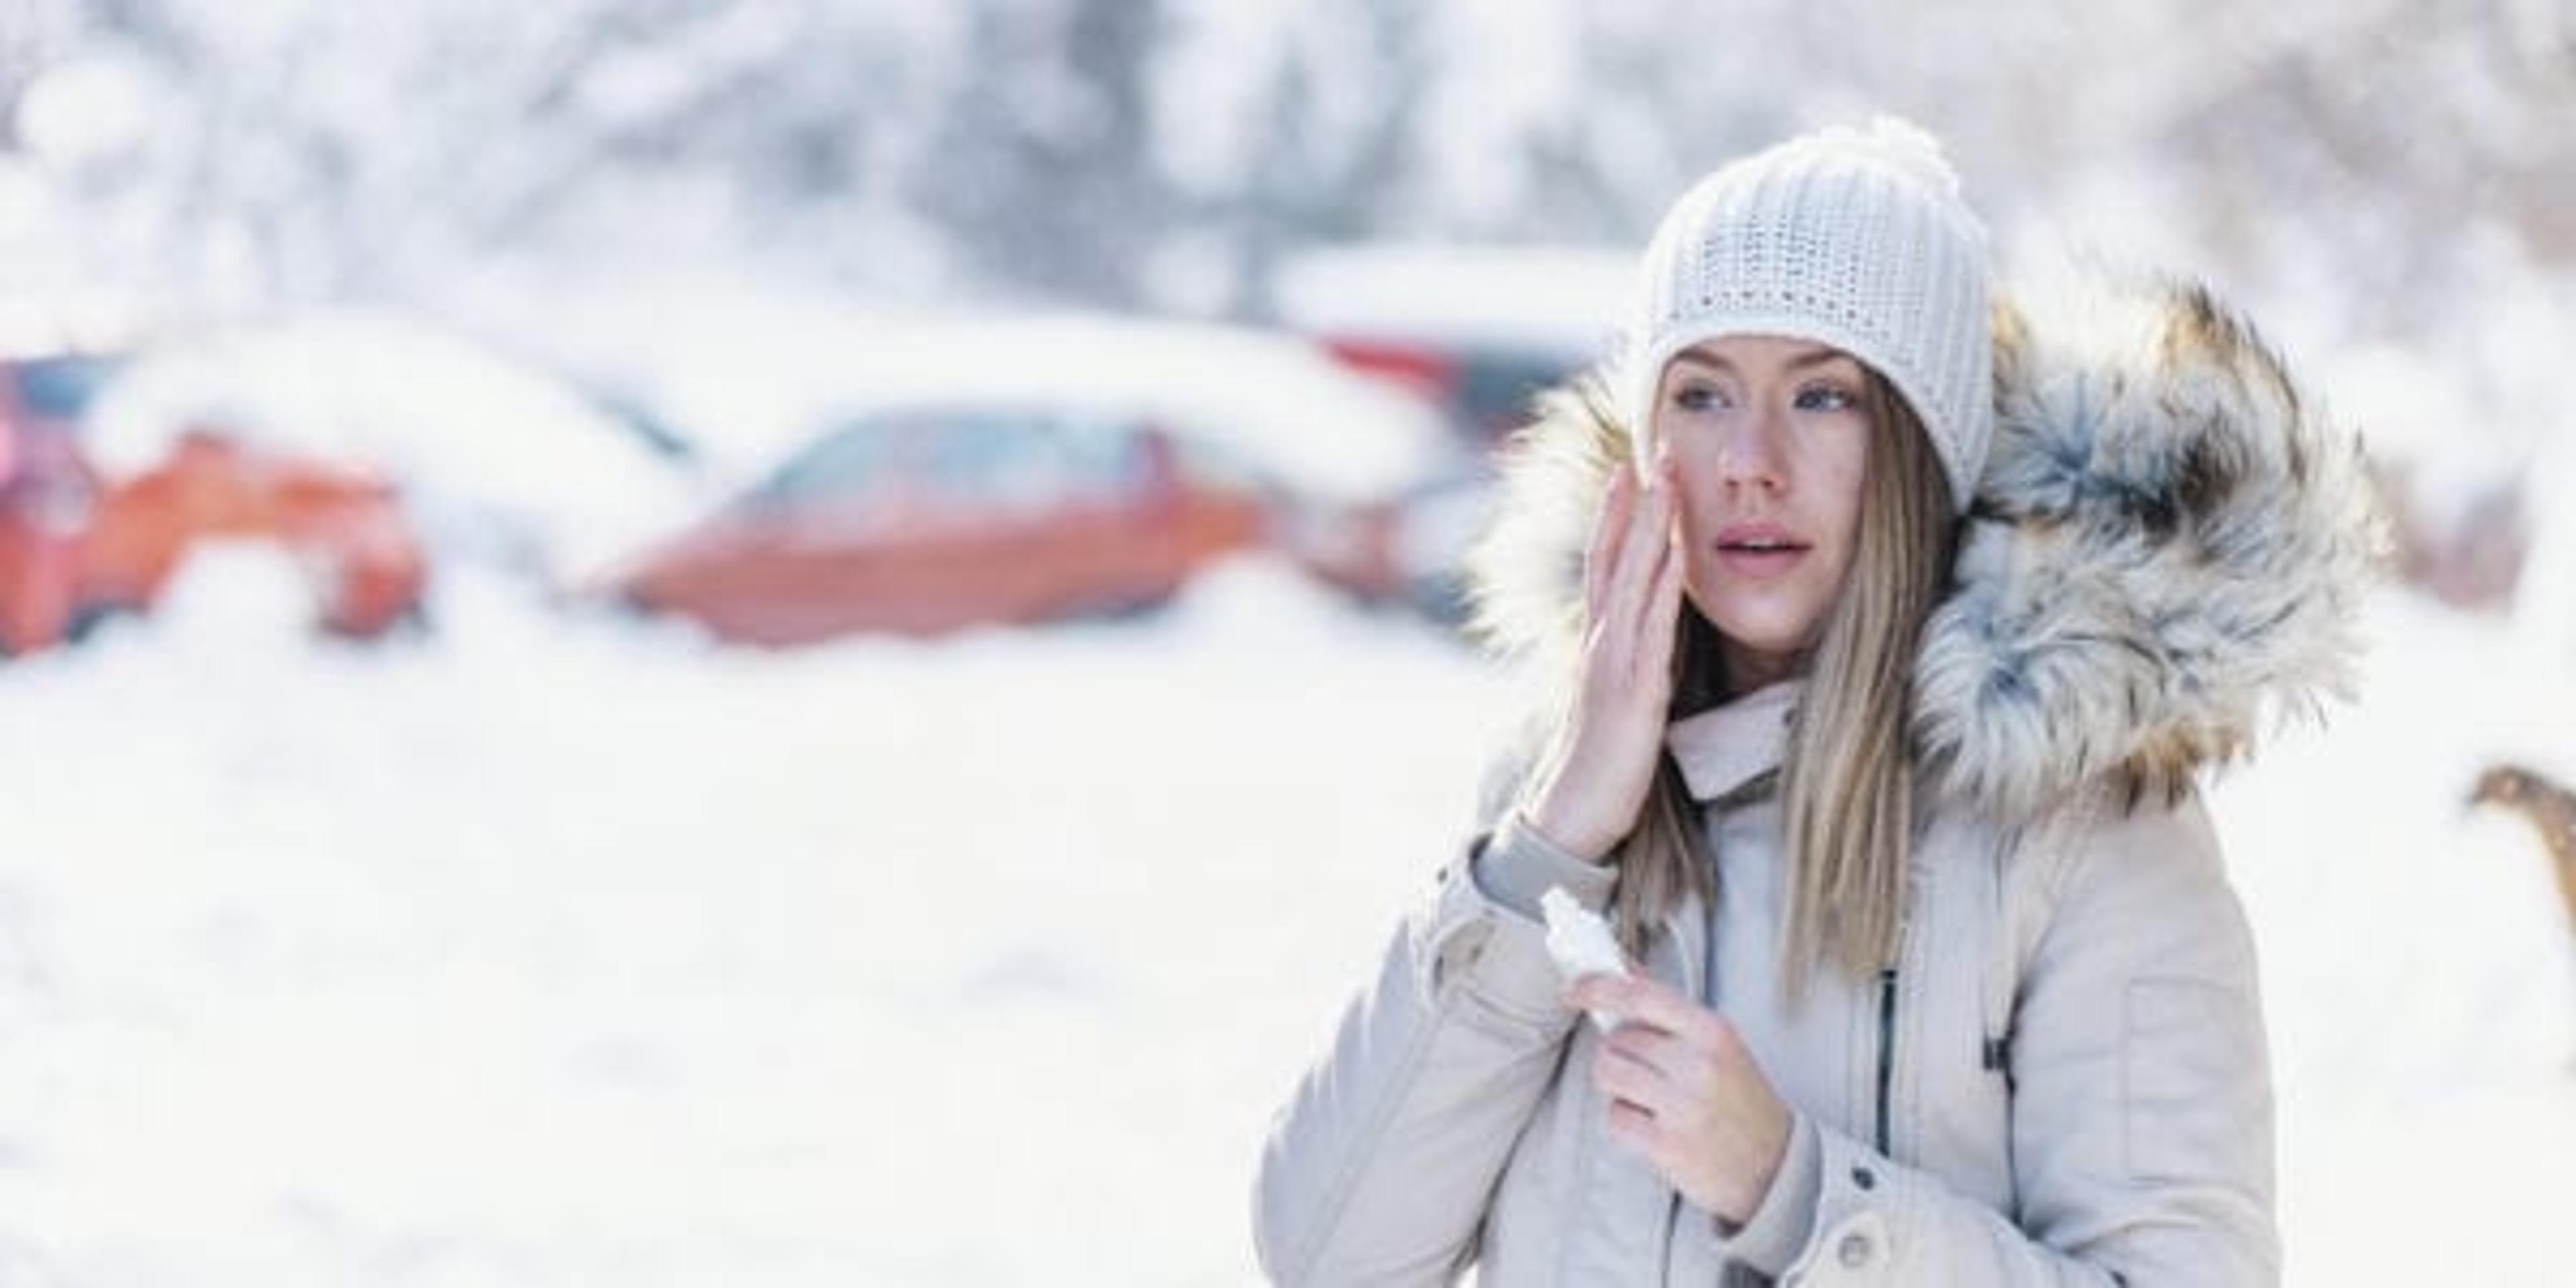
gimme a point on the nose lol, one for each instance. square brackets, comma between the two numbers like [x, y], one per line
[1749, 453]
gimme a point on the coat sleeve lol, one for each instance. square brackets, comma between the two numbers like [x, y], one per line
[2142, 1106]
[1380, 1167]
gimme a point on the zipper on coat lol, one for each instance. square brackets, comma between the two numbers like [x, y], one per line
[1886, 1052]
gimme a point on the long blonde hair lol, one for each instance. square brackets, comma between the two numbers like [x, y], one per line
[1847, 773]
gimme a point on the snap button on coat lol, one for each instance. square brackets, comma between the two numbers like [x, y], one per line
[1854, 1251]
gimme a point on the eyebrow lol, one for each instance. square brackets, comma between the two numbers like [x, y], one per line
[1814, 357]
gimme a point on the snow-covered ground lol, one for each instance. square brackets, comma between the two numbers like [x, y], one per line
[550, 951]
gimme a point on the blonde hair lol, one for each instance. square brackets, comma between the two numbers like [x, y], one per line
[1847, 773]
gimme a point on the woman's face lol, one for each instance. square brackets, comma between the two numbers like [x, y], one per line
[1769, 438]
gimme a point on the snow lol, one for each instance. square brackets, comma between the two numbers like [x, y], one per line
[1555, 299]
[2418, 968]
[87, 111]
[567, 950]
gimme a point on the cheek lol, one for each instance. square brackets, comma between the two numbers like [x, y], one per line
[1842, 479]
[1701, 516]
[1699, 523]
[1699, 482]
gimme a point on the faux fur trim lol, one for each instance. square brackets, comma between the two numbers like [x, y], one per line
[2168, 550]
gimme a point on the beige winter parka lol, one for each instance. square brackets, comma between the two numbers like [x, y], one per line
[2064, 1078]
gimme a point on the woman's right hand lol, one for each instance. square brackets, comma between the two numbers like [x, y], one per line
[1593, 780]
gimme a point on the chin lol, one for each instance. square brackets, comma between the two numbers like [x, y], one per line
[1761, 628]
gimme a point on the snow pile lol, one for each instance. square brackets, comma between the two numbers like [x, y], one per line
[543, 952]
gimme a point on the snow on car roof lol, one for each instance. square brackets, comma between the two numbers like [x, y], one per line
[752, 369]
[464, 429]
[1273, 401]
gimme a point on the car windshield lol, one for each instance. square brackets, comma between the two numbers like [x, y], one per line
[848, 462]
[1005, 459]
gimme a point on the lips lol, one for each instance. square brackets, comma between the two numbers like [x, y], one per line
[1758, 538]
[1758, 549]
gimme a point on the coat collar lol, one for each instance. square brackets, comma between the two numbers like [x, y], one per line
[1722, 749]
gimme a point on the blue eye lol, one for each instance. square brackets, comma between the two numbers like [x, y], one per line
[1698, 398]
[1827, 398]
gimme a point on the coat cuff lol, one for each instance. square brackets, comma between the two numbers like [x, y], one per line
[1479, 950]
[1785, 1222]
[1518, 865]
[1861, 1201]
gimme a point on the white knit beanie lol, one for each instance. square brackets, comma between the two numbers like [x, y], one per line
[1851, 238]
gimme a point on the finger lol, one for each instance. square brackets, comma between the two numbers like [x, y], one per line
[1600, 559]
[1653, 559]
[1636, 1127]
[1624, 1077]
[1672, 1060]
[1655, 639]
[1642, 1000]
[1645, 532]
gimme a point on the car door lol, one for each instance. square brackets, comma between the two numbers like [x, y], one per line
[803, 555]
[925, 520]
[1044, 510]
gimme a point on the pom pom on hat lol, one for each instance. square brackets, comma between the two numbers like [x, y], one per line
[1891, 141]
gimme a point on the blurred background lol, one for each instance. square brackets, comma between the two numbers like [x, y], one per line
[786, 642]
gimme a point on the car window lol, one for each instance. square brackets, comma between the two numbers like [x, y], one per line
[848, 463]
[1030, 460]
[1108, 459]
[993, 460]
[1205, 459]
[1000, 457]
[63, 386]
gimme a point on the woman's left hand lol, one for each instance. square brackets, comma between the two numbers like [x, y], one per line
[1686, 1094]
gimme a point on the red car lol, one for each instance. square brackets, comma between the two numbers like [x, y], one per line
[1487, 390]
[934, 518]
[345, 526]
[1479, 331]
[77, 547]
[48, 493]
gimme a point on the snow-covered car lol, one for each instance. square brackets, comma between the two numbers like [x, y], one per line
[1245, 413]
[495, 461]
[80, 543]
[344, 527]
[1272, 403]
[928, 519]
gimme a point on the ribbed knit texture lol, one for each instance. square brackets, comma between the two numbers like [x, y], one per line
[1851, 238]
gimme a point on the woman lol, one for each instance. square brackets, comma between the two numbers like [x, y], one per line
[1937, 975]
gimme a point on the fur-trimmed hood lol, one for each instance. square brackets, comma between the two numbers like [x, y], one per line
[2167, 550]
